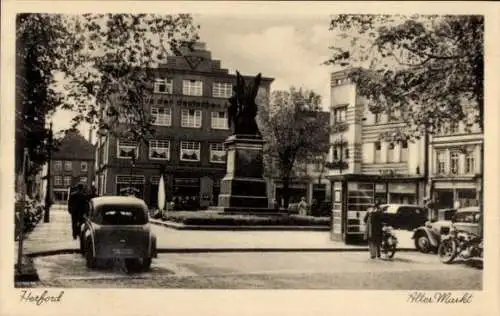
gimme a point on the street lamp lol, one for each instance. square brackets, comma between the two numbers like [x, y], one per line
[48, 194]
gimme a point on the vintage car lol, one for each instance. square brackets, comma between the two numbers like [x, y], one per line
[467, 219]
[404, 216]
[428, 237]
[118, 227]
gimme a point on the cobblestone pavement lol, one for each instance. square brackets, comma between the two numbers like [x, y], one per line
[275, 270]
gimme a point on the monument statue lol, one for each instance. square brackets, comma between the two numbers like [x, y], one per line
[243, 109]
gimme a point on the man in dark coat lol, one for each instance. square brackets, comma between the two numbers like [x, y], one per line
[77, 206]
[373, 229]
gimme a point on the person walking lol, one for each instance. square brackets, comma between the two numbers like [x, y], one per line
[77, 206]
[373, 229]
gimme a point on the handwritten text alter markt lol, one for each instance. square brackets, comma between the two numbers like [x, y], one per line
[28, 296]
[440, 297]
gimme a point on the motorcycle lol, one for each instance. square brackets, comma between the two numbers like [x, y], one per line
[389, 242]
[460, 244]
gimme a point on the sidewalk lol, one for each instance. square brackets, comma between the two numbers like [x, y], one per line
[55, 237]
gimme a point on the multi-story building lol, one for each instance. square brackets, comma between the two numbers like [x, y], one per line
[72, 162]
[189, 106]
[455, 165]
[364, 167]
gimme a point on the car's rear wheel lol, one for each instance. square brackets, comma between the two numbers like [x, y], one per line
[422, 243]
[133, 265]
[89, 256]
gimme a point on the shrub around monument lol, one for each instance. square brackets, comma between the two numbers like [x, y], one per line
[219, 219]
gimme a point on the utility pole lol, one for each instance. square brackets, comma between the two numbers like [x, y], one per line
[48, 195]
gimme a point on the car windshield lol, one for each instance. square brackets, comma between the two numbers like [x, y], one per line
[123, 215]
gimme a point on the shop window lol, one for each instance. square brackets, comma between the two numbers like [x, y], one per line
[163, 86]
[58, 180]
[190, 151]
[161, 116]
[191, 118]
[192, 87]
[454, 156]
[127, 149]
[217, 153]
[222, 90]
[219, 120]
[378, 148]
[126, 185]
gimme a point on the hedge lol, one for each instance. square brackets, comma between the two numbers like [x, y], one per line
[212, 219]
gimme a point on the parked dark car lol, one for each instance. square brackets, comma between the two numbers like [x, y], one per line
[404, 216]
[118, 227]
[428, 237]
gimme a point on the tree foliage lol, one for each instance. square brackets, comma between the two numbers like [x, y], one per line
[294, 132]
[41, 47]
[87, 62]
[428, 68]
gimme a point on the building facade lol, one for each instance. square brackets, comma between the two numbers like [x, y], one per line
[364, 168]
[455, 159]
[72, 162]
[189, 103]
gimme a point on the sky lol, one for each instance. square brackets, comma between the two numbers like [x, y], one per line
[290, 49]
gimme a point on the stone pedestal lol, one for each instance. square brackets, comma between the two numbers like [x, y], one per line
[244, 188]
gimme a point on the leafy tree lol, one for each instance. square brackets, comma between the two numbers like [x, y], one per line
[87, 62]
[117, 66]
[41, 46]
[294, 133]
[428, 68]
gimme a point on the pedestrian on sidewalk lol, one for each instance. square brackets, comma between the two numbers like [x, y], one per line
[373, 229]
[77, 207]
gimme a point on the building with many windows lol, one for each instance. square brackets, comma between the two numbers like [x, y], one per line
[189, 108]
[455, 165]
[364, 168]
[72, 162]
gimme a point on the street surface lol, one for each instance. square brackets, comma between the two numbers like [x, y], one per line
[270, 270]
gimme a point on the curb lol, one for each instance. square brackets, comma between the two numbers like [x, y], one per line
[238, 228]
[218, 250]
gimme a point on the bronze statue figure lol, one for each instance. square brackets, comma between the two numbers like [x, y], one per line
[243, 109]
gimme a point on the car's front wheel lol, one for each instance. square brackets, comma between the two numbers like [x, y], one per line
[422, 243]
